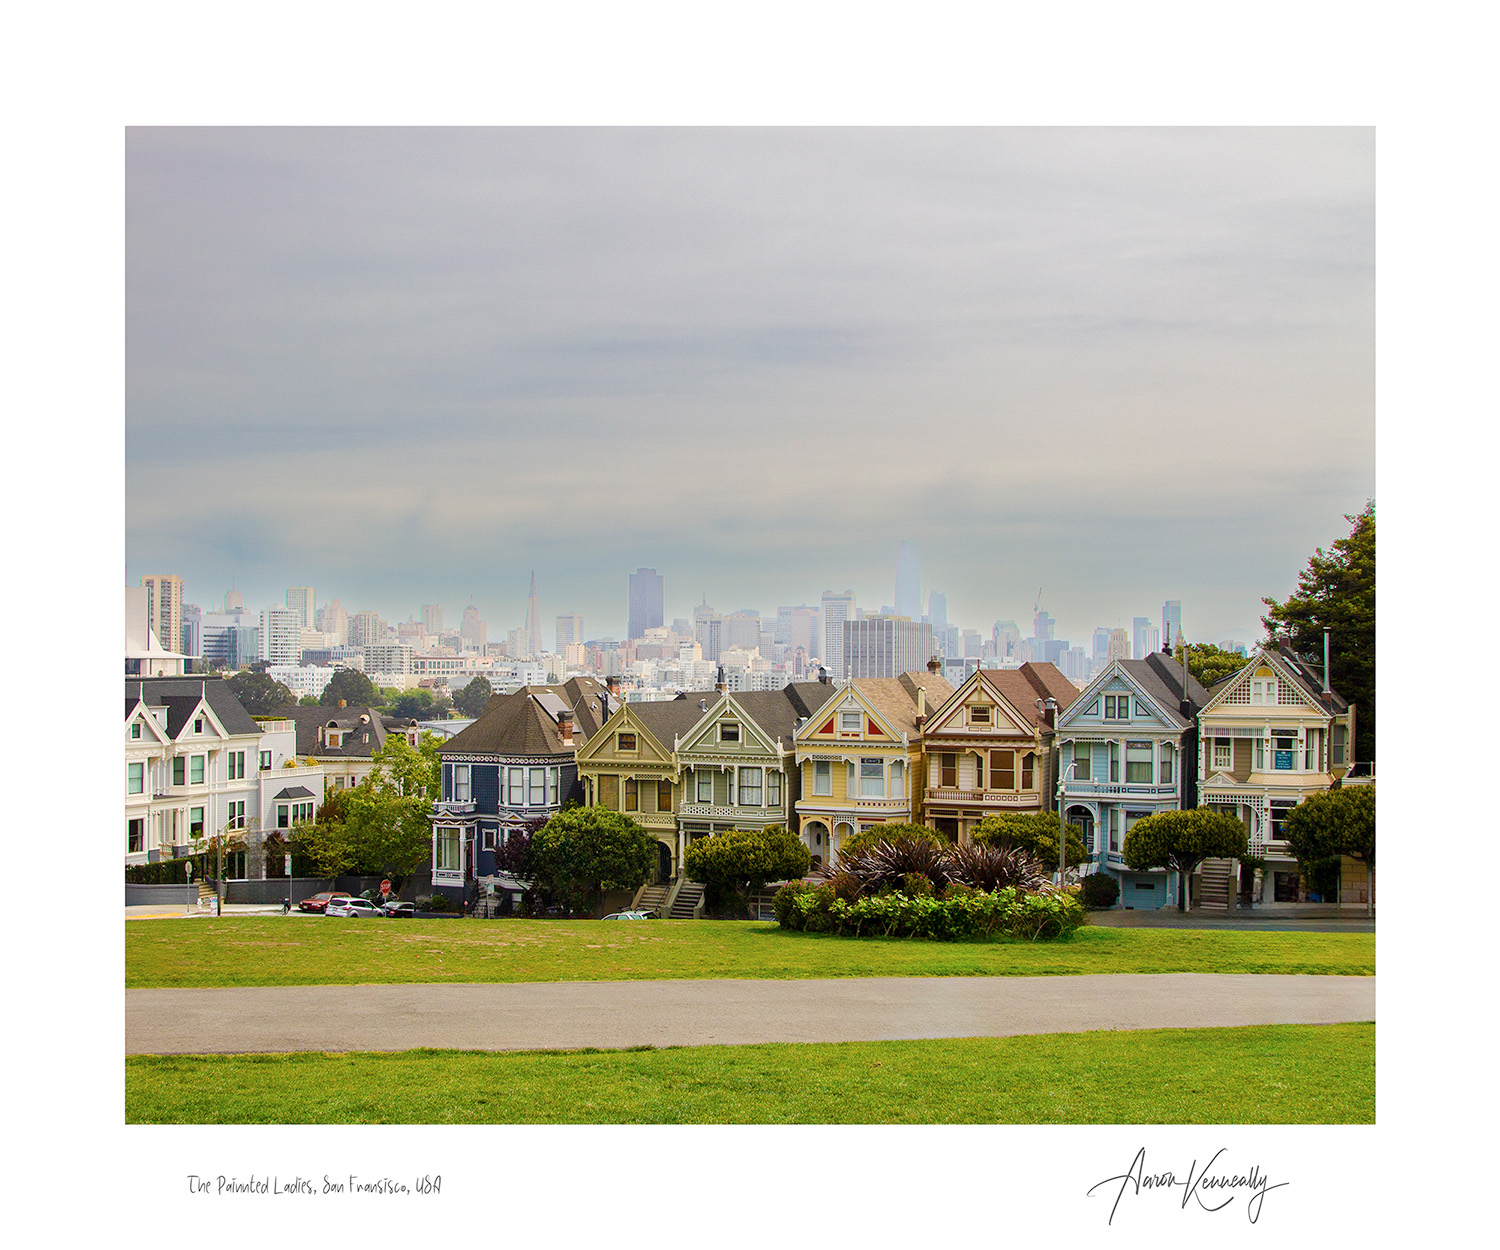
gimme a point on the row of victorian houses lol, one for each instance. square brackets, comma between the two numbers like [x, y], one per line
[829, 760]
[823, 760]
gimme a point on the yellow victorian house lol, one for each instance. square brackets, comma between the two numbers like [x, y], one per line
[859, 758]
[630, 765]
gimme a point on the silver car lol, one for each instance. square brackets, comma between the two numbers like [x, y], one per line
[351, 907]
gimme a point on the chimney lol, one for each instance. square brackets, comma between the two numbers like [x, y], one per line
[921, 705]
[719, 684]
[342, 703]
[565, 727]
[934, 665]
[612, 684]
[822, 675]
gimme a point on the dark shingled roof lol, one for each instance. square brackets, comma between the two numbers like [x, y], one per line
[180, 695]
[669, 719]
[1023, 686]
[1160, 676]
[295, 792]
[516, 724]
[1308, 676]
[351, 721]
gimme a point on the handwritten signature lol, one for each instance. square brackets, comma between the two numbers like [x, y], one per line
[1197, 1187]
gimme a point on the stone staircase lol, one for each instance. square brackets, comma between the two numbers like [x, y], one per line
[651, 897]
[1216, 889]
[687, 901]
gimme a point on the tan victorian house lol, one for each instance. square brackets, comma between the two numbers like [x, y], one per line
[859, 757]
[988, 748]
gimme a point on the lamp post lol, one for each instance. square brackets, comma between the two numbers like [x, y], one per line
[1062, 824]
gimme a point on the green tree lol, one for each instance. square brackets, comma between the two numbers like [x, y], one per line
[1337, 592]
[1035, 832]
[352, 686]
[1209, 664]
[259, 694]
[1339, 822]
[743, 860]
[584, 852]
[413, 704]
[884, 832]
[1181, 841]
[308, 700]
[472, 697]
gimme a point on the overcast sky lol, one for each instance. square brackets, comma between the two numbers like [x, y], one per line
[401, 366]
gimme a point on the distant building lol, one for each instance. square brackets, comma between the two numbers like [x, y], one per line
[473, 632]
[1171, 622]
[1147, 638]
[647, 602]
[365, 629]
[144, 653]
[432, 618]
[280, 635]
[836, 609]
[303, 599]
[164, 607]
[908, 582]
[569, 631]
[886, 646]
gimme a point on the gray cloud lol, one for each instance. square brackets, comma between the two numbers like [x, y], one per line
[1125, 364]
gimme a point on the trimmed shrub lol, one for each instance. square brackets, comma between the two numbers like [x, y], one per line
[1099, 891]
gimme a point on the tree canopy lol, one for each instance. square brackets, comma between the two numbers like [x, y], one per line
[1183, 840]
[415, 704]
[472, 696]
[1210, 664]
[885, 832]
[743, 860]
[584, 852]
[353, 687]
[1035, 832]
[1337, 822]
[259, 694]
[1336, 591]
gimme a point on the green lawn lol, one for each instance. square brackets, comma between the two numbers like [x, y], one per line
[1274, 1074]
[280, 950]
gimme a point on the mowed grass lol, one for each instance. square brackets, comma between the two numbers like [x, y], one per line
[294, 950]
[1272, 1074]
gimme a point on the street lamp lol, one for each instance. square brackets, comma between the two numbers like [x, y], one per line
[1049, 704]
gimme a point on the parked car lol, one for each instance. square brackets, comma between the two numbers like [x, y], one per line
[398, 910]
[318, 901]
[352, 907]
[630, 915]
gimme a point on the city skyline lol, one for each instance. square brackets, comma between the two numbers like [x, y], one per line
[1042, 357]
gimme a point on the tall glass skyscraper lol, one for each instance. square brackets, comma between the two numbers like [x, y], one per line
[908, 582]
[647, 602]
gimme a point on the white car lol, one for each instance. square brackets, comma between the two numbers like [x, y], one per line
[351, 907]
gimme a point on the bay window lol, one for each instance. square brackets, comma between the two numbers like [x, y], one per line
[632, 795]
[871, 779]
[1168, 763]
[536, 787]
[948, 769]
[750, 787]
[1028, 770]
[448, 857]
[705, 784]
[1138, 763]
[773, 789]
[898, 786]
[195, 770]
[664, 795]
[515, 795]
[1083, 755]
[460, 783]
[1003, 770]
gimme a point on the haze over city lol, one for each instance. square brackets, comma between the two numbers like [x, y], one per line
[1117, 366]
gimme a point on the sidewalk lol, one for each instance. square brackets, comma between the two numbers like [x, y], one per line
[1302, 918]
[179, 911]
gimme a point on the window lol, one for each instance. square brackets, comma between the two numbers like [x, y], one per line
[195, 822]
[822, 777]
[979, 715]
[1223, 753]
[334, 738]
[632, 795]
[1168, 766]
[236, 765]
[1116, 819]
[135, 779]
[237, 814]
[197, 724]
[553, 780]
[1117, 707]
[750, 787]
[1114, 761]
[978, 772]
[1003, 770]
[609, 792]
[1083, 756]
[1262, 690]
[195, 769]
[283, 816]
[135, 834]
[948, 769]
[1278, 819]
[536, 787]
[729, 732]
[265, 761]
[625, 742]
[898, 786]
[664, 796]
[848, 722]
[516, 788]
[1028, 770]
[1285, 744]
[302, 812]
[871, 779]
[135, 730]
[460, 783]
[1138, 763]
[179, 770]
[487, 839]
[705, 784]
[1260, 754]
[448, 847]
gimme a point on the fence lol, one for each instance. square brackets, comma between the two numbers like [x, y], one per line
[161, 895]
[275, 889]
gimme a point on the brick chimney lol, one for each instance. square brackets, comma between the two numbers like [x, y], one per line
[612, 684]
[565, 727]
[934, 665]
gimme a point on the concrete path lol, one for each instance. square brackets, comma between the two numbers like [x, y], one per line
[609, 1014]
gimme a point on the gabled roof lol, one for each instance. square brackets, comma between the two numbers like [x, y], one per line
[1307, 678]
[1158, 678]
[1020, 688]
[775, 713]
[520, 724]
[895, 698]
[295, 792]
[181, 696]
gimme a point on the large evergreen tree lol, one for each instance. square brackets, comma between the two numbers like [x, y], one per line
[1337, 592]
[353, 687]
[259, 694]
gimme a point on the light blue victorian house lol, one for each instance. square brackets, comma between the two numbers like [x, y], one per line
[1128, 747]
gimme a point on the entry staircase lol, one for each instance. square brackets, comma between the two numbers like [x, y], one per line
[687, 901]
[651, 897]
[1216, 889]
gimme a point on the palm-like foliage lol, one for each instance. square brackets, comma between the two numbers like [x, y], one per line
[995, 867]
[878, 865]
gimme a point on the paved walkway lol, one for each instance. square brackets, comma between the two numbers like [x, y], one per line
[609, 1014]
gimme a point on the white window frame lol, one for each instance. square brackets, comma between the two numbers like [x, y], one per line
[462, 787]
[751, 782]
[704, 785]
[515, 786]
[871, 783]
[822, 778]
[1223, 754]
[846, 728]
[135, 777]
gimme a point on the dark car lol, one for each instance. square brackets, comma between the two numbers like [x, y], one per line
[318, 902]
[397, 910]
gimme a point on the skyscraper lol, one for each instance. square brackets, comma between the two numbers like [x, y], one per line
[533, 621]
[432, 618]
[164, 608]
[233, 600]
[937, 609]
[569, 631]
[1171, 622]
[837, 608]
[647, 602]
[302, 599]
[886, 646]
[280, 635]
[1146, 637]
[908, 582]
[473, 633]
